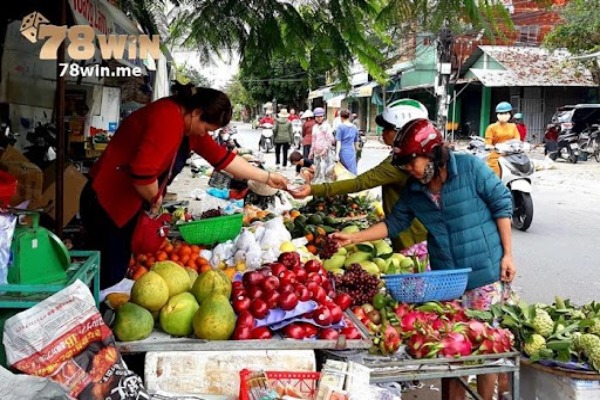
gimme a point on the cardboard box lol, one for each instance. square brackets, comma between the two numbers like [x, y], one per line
[29, 177]
[74, 181]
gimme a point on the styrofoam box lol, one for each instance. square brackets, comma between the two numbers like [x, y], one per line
[540, 385]
[215, 374]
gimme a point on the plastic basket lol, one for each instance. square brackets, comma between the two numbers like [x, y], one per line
[220, 180]
[304, 382]
[211, 230]
[427, 286]
[8, 187]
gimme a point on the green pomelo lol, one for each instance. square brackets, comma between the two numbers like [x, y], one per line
[132, 322]
[150, 291]
[177, 315]
[175, 275]
[215, 319]
[209, 283]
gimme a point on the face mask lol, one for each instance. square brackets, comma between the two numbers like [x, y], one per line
[428, 173]
[503, 117]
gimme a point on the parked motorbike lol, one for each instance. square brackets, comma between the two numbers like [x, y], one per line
[266, 138]
[589, 141]
[42, 150]
[515, 172]
[226, 137]
[7, 137]
[297, 129]
[565, 147]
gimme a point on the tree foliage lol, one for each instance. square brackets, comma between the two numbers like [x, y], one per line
[238, 94]
[185, 74]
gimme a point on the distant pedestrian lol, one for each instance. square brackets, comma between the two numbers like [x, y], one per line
[347, 139]
[307, 128]
[283, 136]
[323, 148]
[293, 116]
[304, 167]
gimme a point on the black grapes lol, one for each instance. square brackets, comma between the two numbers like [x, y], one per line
[358, 283]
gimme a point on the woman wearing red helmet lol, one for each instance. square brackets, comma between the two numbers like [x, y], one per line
[466, 210]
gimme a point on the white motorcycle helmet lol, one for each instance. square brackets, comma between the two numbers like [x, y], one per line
[399, 112]
[307, 114]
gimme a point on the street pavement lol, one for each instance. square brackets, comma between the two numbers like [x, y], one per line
[560, 253]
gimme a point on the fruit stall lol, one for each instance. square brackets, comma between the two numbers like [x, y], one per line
[238, 287]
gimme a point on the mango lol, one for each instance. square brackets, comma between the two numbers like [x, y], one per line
[370, 267]
[333, 263]
[381, 264]
[350, 229]
[356, 258]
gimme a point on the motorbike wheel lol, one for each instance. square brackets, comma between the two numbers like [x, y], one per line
[573, 158]
[596, 149]
[522, 210]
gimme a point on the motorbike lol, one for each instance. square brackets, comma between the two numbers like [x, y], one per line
[515, 172]
[297, 129]
[589, 141]
[226, 137]
[7, 137]
[266, 138]
[562, 144]
[42, 150]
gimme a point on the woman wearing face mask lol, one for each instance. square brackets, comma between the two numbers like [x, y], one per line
[499, 132]
[466, 210]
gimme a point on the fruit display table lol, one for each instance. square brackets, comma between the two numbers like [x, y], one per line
[389, 369]
[160, 341]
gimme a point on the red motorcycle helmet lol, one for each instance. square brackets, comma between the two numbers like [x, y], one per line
[417, 138]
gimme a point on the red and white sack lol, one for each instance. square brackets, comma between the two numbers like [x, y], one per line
[65, 339]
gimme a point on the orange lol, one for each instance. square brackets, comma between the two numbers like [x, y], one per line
[184, 258]
[141, 257]
[312, 248]
[321, 231]
[150, 262]
[204, 268]
[200, 261]
[294, 213]
[310, 237]
[195, 249]
[138, 273]
[161, 256]
[174, 257]
[168, 248]
[191, 264]
[185, 250]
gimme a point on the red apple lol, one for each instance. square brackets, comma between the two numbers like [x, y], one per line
[312, 266]
[329, 334]
[242, 333]
[336, 313]
[343, 300]
[318, 294]
[262, 332]
[322, 316]
[300, 273]
[287, 277]
[286, 287]
[312, 286]
[245, 318]
[309, 330]
[270, 283]
[302, 292]
[265, 270]
[237, 284]
[288, 301]
[252, 278]
[290, 259]
[271, 297]
[235, 292]
[259, 308]
[294, 331]
[241, 303]
[278, 268]
[315, 277]
[255, 292]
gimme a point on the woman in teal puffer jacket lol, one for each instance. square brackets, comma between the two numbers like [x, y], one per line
[466, 210]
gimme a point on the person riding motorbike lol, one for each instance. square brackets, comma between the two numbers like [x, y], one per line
[499, 132]
[521, 127]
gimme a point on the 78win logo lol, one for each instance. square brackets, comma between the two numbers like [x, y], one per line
[82, 41]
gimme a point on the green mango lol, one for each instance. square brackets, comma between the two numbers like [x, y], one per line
[383, 250]
[370, 267]
[341, 252]
[393, 266]
[351, 229]
[381, 264]
[333, 263]
[366, 247]
[356, 258]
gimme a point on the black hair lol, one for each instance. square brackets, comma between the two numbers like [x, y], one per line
[295, 157]
[345, 114]
[215, 105]
[440, 155]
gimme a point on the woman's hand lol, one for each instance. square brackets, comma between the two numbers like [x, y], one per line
[277, 181]
[155, 209]
[344, 239]
[301, 192]
[507, 269]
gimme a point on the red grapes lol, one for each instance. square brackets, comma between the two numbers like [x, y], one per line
[358, 283]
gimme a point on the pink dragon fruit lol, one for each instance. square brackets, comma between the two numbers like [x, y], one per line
[418, 346]
[402, 309]
[390, 341]
[476, 331]
[454, 344]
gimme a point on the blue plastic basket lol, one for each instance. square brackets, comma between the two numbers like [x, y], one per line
[427, 286]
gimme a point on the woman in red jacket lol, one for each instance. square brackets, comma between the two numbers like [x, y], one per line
[128, 175]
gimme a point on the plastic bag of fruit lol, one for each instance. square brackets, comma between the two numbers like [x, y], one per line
[65, 339]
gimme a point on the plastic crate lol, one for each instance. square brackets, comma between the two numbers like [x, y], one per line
[304, 382]
[8, 187]
[211, 230]
[427, 286]
[220, 180]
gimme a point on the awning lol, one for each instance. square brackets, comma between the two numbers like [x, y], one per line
[106, 19]
[336, 102]
[365, 90]
[320, 92]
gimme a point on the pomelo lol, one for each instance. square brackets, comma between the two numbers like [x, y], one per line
[215, 318]
[150, 291]
[209, 283]
[177, 315]
[132, 322]
[175, 275]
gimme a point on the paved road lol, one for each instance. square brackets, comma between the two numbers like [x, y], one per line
[560, 253]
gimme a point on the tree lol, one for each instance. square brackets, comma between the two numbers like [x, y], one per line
[240, 98]
[185, 74]
[579, 33]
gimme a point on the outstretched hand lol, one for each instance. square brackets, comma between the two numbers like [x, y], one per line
[343, 239]
[301, 192]
[277, 181]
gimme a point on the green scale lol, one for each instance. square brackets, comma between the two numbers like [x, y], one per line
[38, 255]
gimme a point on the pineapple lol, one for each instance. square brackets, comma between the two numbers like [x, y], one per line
[591, 348]
[534, 344]
[542, 323]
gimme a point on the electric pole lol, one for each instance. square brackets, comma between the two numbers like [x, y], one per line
[445, 40]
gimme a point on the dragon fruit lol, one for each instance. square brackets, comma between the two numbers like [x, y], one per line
[454, 344]
[476, 331]
[390, 341]
[418, 344]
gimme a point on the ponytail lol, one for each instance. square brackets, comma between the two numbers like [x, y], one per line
[215, 105]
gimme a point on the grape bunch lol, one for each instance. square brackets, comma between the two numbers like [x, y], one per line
[358, 283]
[328, 248]
[215, 212]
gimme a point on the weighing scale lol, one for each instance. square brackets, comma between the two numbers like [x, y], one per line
[38, 255]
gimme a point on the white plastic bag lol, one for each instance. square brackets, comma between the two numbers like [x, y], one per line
[7, 229]
[245, 240]
[222, 252]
